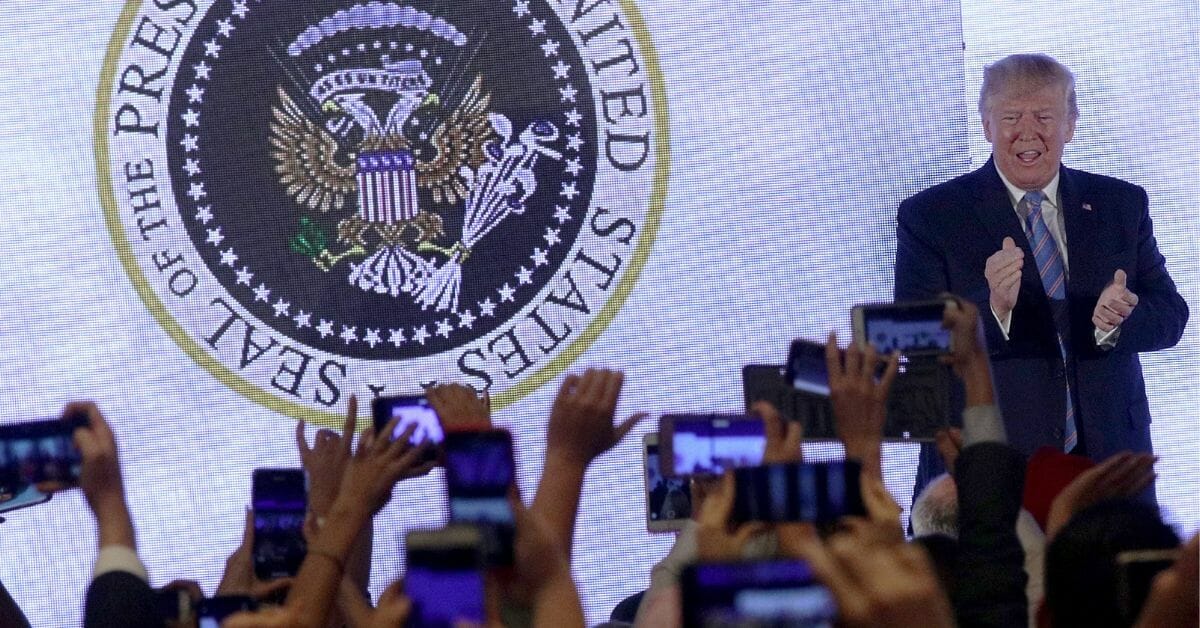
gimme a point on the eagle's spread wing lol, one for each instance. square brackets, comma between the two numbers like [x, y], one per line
[304, 158]
[459, 142]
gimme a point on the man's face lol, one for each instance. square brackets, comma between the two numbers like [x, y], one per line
[1028, 129]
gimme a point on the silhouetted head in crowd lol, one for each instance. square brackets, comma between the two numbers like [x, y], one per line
[1081, 566]
[935, 510]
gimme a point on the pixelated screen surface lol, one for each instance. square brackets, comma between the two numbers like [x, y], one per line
[279, 207]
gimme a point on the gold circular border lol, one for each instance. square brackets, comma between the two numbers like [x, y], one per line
[658, 196]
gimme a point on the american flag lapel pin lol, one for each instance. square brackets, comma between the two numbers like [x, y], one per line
[1087, 207]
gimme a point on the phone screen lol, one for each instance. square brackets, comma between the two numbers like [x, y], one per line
[38, 452]
[709, 444]
[280, 499]
[479, 473]
[910, 328]
[444, 578]
[806, 369]
[820, 492]
[412, 409]
[766, 593]
[668, 500]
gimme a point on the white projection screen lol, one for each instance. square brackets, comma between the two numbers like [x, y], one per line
[205, 233]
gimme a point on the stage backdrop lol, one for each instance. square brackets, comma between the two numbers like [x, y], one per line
[220, 217]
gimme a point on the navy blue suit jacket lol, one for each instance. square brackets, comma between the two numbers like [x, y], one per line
[945, 235]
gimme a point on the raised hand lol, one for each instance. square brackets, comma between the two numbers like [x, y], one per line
[100, 477]
[326, 460]
[859, 401]
[1115, 304]
[1003, 273]
[783, 437]
[716, 540]
[239, 578]
[876, 578]
[378, 464]
[1123, 475]
[459, 407]
[581, 420]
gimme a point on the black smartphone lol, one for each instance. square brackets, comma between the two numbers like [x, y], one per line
[41, 454]
[212, 611]
[668, 500]
[912, 328]
[479, 476]
[444, 577]
[806, 369]
[820, 492]
[707, 444]
[1136, 570]
[280, 498]
[411, 410]
[175, 605]
[762, 593]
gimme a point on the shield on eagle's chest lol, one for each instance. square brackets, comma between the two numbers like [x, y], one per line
[387, 186]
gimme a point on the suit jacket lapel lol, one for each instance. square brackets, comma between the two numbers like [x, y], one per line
[993, 208]
[1079, 224]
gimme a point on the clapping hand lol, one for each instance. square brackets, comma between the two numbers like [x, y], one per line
[1115, 304]
[1003, 273]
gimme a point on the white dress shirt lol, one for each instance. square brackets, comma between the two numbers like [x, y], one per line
[1052, 214]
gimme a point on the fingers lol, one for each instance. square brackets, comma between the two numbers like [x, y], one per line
[889, 375]
[718, 504]
[772, 422]
[833, 355]
[627, 425]
[351, 423]
[302, 441]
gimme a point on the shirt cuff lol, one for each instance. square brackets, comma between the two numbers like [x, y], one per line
[119, 558]
[1003, 324]
[1107, 339]
[983, 424]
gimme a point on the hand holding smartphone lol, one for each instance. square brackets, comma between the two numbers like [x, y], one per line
[707, 444]
[280, 499]
[40, 454]
[411, 410]
[913, 328]
[479, 476]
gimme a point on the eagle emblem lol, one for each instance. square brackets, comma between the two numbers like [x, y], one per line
[349, 147]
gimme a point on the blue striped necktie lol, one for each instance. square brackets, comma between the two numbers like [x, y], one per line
[1054, 282]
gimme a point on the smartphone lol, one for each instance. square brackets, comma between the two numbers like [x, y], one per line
[445, 576]
[40, 453]
[806, 369]
[707, 444]
[819, 492]
[479, 476]
[280, 498]
[24, 497]
[411, 409]
[668, 500]
[212, 611]
[762, 593]
[1136, 570]
[912, 328]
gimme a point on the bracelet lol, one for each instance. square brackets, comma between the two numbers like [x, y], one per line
[341, 565]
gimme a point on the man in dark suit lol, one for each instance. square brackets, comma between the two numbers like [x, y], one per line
[1064, 261]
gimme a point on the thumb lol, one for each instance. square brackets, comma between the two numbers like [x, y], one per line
[1119, 278]
[1008, 244]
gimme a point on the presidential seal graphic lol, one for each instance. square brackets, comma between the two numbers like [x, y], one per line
[323, 198]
